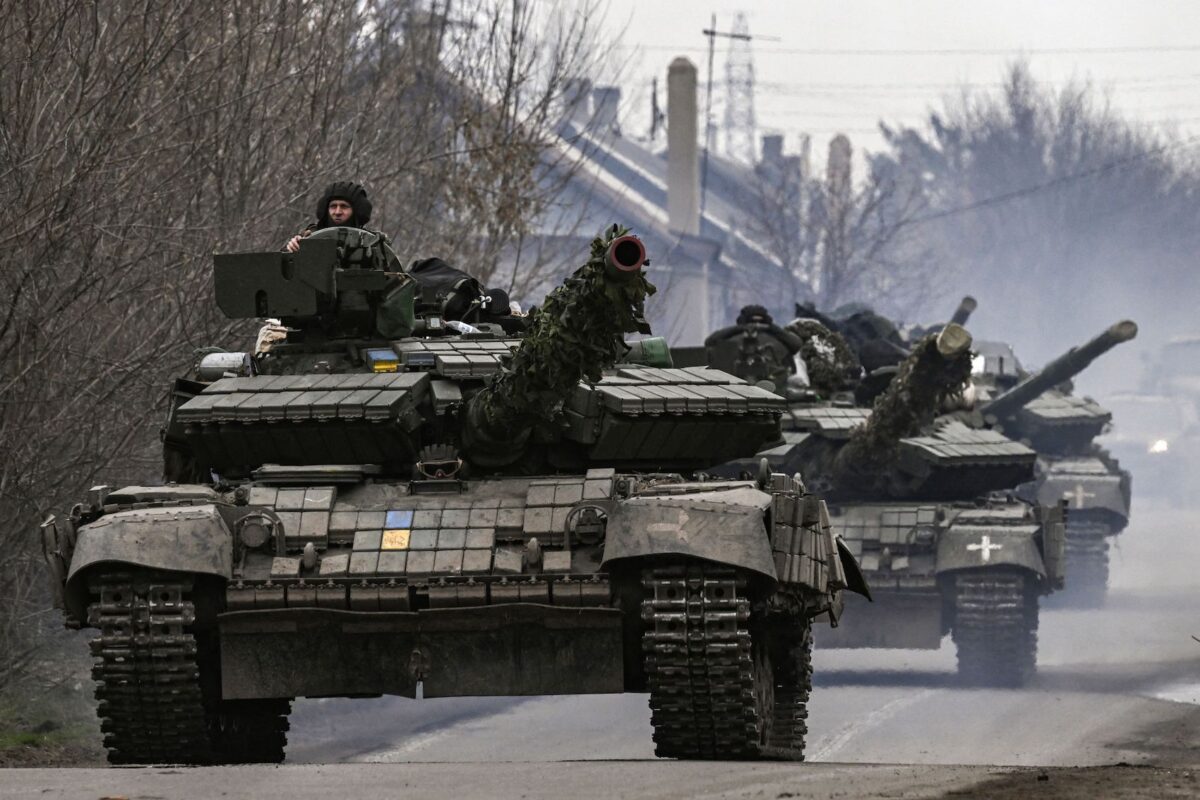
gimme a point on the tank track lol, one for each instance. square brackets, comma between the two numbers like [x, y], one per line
[714, 691]
[793, 685]
[251, 731]
[147, 672]
[995, 627]
[1086, 558]
[155, 703]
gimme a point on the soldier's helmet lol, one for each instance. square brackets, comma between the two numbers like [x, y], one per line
[353, 193]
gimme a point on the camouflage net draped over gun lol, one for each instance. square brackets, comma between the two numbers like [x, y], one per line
[831, 364]
[938, 368]
[574, 336]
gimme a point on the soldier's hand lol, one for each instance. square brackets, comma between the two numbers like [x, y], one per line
[293, 244]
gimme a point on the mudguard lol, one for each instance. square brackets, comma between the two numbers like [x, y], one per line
[727, 527]
[976, 546]
[855, 580]
[181, 538]
[1084, 492]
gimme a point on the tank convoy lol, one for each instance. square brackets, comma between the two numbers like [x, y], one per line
[1039, 410]
[408, 488]
[925, 501]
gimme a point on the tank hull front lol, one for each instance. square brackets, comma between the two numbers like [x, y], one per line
[511, 649]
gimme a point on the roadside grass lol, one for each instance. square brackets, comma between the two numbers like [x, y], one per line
[47, 713]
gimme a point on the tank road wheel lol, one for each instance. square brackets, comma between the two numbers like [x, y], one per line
[995, 627]
[713, 690]
[154, 680]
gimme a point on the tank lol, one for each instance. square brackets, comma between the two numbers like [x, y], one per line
[925, 502]
[1041, 409]
[405, 490]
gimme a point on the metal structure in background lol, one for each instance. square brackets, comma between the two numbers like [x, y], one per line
[740, 126]
[741, 33]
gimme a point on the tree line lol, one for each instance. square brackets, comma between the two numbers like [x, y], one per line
[138, 137]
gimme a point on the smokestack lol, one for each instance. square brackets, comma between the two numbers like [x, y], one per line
[838, 171]
[605, 101]
[683, 163]
[772, 148]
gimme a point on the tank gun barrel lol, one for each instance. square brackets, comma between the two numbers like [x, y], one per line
[966, 307]
[575, 335]
[937, 368]
[1063, 368]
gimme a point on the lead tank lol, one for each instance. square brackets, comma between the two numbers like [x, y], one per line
[925, 502]
[1042, 410]
[385, 498]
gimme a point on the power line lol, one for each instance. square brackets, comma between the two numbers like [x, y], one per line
[873, 112]
[803, 87]
[949, 51]
[1053, 183]
[1189, 77]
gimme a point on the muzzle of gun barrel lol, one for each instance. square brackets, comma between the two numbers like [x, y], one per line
[626, 255]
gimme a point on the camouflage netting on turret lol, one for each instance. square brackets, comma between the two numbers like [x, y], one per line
[574, 336]
[910, 403]
[831, 364]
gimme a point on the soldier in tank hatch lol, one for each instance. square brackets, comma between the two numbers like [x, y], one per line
[754, 348]
[343, 203]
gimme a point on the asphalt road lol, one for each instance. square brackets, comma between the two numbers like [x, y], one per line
[1120, 684]
[1103, 674]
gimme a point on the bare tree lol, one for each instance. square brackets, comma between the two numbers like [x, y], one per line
[1045, 204]
[137, 137]
[836, 241]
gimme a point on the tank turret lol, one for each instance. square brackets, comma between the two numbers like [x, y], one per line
[936, 370]
[378, 367]
[574, 336]
[1061, 369]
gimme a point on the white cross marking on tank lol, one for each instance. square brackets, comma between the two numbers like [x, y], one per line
[1079, 495]
[985, 547]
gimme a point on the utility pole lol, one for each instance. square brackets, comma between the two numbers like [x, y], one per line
[657, 117]
[712, 33]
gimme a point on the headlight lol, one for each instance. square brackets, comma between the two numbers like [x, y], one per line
[1159, 446]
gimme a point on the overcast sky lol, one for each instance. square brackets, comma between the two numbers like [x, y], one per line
[841, 66]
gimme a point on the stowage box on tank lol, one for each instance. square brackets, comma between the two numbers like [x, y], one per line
[476, 503]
